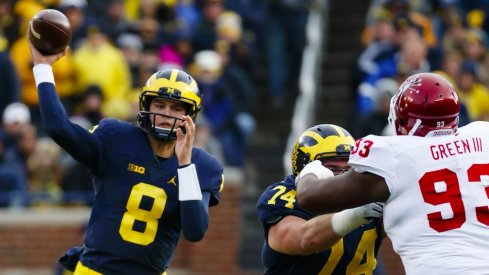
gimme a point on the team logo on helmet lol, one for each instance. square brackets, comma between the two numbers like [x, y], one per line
[321, 142]
[412, 84]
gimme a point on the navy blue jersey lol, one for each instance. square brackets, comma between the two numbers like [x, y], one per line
[135, 221]
[353, 254]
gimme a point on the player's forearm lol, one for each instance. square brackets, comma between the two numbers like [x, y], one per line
[324, 195]
[53, 113]
[318, 235]
[54, 116]
[309, 190]
[74, 139]
[296, 236]
[195, 218]
[312, 190]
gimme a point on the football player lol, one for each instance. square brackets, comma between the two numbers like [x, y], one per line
[150, 183]
[432, 177]
[301, 242]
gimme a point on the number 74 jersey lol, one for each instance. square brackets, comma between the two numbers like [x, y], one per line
[353, 254]
[437, 215]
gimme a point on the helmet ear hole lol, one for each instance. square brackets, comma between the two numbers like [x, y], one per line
[402, 122]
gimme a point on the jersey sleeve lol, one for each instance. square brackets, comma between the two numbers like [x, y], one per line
[78, 142]
[374, 154]
[277, 202]
[211, 175]
[104, 133]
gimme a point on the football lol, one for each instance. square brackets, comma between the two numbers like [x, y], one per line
[50, 31]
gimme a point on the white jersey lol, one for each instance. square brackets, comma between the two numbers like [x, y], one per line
[437, 214]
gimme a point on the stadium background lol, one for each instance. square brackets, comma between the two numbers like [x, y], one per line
[351, 59]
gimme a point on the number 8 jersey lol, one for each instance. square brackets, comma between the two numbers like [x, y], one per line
[437, 214]
[135, 222]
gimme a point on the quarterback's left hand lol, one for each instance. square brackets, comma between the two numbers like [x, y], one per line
[183, 148]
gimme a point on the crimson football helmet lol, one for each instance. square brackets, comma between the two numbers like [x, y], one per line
[426, 104]
[322, 141]
[170, 84]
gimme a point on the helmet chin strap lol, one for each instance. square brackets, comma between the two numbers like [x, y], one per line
[415, 127]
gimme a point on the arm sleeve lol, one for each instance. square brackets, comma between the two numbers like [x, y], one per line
[194, 216]
[75, 140]
[210, 172]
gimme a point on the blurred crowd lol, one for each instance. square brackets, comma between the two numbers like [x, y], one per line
[116, 46]
[228, 46]
[404, 37]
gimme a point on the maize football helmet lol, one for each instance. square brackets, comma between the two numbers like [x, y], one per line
[322, 141]
[426, 104]
[170, 84]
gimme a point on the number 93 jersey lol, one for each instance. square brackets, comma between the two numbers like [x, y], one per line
[354, 254]
[135, 222]
[437, 213]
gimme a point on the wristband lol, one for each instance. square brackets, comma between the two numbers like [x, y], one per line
[183, 166]
[43, 73]
[188, 184]
[345, 221]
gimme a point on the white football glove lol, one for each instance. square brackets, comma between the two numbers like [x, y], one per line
[315, 167]
[345, 221]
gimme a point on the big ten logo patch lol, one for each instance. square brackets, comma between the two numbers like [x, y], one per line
[135, 168]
